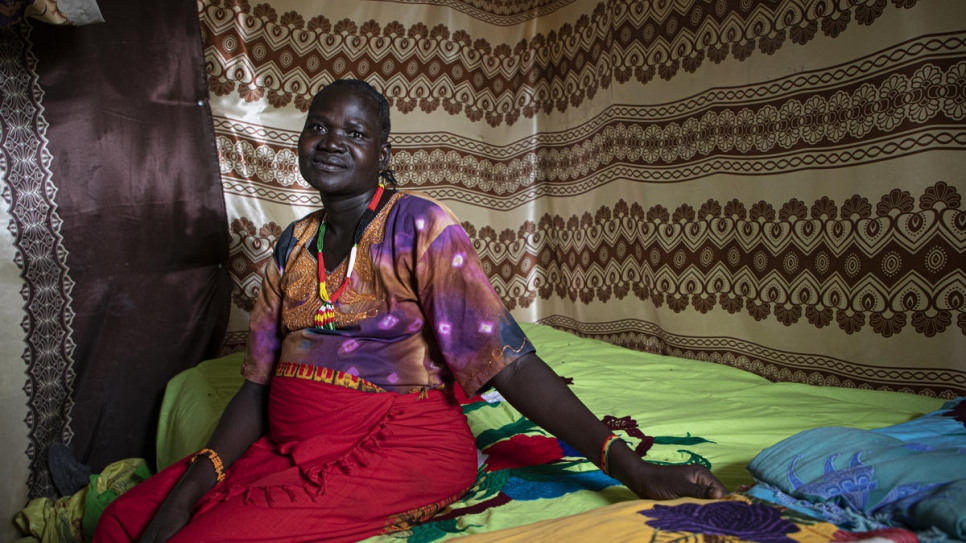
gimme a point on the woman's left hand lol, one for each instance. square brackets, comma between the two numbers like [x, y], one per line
[536, 391]
[662, 482]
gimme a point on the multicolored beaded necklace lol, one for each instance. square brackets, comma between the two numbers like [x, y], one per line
[325, 318]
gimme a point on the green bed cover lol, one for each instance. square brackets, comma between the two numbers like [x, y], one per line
[696, 411]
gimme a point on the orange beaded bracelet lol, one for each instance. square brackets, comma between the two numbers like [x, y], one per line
[215, 461]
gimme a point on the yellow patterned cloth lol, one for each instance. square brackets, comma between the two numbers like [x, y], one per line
[733, 519]
[71, 519]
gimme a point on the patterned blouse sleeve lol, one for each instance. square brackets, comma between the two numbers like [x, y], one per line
[264, 329]
[476, 334]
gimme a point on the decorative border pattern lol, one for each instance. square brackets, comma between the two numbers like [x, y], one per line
[286, 58]
[901, 264]
[454, 175]
[776, 366]
[250, 250]
[499, 13]
[866, 268]
[329, 376]
[907, 100]
[41, 256]
[234, 341]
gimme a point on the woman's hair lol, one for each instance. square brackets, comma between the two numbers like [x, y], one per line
[382, 105]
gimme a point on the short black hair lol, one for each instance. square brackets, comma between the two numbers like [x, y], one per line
[382, 105]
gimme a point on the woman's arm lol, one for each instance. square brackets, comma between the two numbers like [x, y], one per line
[241, 424]
[541, 395]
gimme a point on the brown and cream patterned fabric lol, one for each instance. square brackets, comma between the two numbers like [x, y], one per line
[772, 185]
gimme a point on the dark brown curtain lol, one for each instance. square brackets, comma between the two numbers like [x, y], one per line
[139, 194]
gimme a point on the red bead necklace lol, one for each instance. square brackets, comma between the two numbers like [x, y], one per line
[325, 317]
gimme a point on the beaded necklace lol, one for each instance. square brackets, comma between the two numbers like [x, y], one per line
[325, 318]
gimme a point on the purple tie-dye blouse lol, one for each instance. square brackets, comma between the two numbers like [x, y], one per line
[418, 312]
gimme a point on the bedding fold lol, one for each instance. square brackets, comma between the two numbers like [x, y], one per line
[909, 475]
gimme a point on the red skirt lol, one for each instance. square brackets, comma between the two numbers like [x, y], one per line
[338, 465]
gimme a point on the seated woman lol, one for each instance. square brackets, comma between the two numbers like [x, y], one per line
[375, 309]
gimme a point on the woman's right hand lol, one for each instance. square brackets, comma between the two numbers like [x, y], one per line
[241, 424]
[169, 520]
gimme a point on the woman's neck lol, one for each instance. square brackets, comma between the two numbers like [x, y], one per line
[342, 216]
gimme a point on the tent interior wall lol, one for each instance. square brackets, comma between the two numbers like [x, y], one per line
[775, 186]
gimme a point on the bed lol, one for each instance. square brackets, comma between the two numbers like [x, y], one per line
[754, 434]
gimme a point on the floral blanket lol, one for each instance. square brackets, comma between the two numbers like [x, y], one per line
[909, 475]
[735, 519]
[526, 475]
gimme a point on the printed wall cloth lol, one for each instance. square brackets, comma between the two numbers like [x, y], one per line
[773, 185]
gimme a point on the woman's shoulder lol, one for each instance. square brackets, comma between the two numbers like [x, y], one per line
[293, 233]
[420, 204]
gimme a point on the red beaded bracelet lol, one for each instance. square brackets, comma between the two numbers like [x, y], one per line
[605, 453]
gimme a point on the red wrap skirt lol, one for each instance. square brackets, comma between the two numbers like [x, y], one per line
[338, 465]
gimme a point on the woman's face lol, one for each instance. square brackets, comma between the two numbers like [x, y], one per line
[340, 152]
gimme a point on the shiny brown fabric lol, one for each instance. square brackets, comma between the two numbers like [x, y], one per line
[143, 214]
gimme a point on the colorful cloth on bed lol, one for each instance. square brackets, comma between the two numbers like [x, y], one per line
[339, 465]
[911, 474]
[419, 311]
[734, 519]
[676, 410]
[531, 475]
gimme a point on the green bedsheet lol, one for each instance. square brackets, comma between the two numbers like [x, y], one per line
[695, 411]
